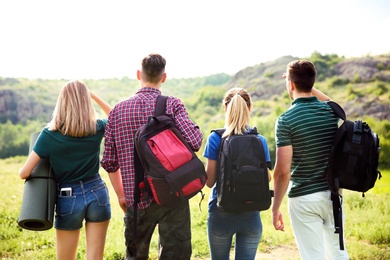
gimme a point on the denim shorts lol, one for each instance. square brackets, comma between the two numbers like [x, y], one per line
[89, 201]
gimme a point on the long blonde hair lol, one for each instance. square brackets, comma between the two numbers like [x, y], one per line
[74, 114]
[237, 103]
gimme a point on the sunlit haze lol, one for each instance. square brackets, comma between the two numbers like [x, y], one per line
[106, 39]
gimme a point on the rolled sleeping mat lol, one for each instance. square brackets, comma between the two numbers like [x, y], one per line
[39, 196]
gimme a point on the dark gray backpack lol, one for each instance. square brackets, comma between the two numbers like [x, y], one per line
[353, 162]
[242, 174]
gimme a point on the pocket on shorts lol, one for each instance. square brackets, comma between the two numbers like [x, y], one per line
[101, 194]
[65, 205]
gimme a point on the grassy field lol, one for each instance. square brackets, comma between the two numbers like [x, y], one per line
[367, 227]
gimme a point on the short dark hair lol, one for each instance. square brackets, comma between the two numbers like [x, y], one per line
[303, 74]
[153, 68]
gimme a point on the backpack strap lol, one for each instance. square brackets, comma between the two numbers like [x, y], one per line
[139, 178]
[357, 132]
[161, 104]
[337, 109]
[254, 131]
[337, 199]
[219, 131]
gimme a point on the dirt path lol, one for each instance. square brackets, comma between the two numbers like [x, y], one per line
[287, 252]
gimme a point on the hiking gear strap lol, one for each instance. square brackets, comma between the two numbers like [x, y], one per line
[337, 109]
[337, 201]
[139, 171]
[336, 198]
[161, 104]
[138, 178]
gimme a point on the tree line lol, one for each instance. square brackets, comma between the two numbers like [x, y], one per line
[364, 97]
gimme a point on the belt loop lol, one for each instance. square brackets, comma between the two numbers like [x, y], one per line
[81, 185]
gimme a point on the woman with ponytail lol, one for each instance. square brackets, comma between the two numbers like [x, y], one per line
[246, 227]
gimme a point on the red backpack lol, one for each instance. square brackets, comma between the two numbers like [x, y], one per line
[166, 167]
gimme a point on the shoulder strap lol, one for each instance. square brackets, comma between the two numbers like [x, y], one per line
[253, 131]
[337, 109]
[161, 104]
[219, 131]
[337, 201]
[335, 196]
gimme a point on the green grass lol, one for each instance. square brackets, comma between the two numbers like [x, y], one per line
[367, 228]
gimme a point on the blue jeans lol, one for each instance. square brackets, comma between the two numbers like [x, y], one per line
[89, 201]
[222, 226]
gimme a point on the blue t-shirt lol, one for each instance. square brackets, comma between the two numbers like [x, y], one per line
[211, 152]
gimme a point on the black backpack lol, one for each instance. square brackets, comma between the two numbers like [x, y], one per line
[242, 173]
[353, 162]
[165, 165]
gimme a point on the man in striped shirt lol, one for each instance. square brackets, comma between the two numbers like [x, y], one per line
[304, 135]
[123, 121]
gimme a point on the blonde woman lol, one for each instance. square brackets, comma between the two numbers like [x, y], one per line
[246, 228]
[71, 143]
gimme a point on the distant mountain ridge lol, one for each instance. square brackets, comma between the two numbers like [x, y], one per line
[366, 77]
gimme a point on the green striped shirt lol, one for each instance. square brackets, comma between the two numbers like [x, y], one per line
[309, 126]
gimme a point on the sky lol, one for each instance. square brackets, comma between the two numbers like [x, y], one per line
[79, 39]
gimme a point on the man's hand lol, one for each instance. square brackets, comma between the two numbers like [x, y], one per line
[122, 204]
[277, 220]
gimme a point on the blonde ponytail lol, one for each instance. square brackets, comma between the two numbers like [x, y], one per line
[237, 103]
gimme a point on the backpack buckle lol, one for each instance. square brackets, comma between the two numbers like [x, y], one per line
[357, 132]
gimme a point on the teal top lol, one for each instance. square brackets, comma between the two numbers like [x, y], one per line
[309, 125]
[72, 158]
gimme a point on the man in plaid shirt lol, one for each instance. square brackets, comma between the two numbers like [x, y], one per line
[123, 121]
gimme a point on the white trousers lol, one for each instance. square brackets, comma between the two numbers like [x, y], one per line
[313, 225]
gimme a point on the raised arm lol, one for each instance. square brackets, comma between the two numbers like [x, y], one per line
[321, 96]
[104, 105]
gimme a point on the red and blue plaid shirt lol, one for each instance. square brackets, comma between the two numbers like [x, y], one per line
[123, 121]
